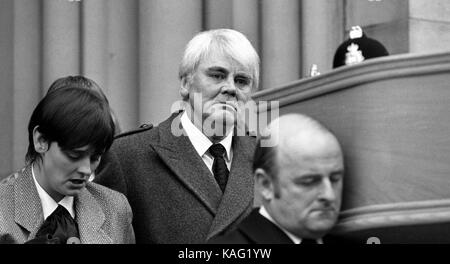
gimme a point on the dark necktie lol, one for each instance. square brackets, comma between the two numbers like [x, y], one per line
[307, 241]
[58, 228]
[219, 167]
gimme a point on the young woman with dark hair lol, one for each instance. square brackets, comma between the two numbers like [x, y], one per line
[51, 200]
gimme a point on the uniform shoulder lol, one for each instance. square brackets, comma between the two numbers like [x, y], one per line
[140, 129]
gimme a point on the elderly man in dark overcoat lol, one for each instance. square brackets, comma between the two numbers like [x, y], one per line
[190, 178]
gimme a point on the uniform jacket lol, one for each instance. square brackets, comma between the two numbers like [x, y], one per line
[103, 215]
[173, 195]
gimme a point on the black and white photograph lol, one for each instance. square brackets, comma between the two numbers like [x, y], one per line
[215, 124]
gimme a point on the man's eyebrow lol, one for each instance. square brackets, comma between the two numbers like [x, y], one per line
[245, 75]
[338, 172]
[224, 70]
[217, 68]
[309, 175]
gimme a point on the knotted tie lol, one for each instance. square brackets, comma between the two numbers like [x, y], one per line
[219, 167]
[58, 228]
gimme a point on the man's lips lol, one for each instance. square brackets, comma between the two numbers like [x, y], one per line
[228, 105]
[325, 210]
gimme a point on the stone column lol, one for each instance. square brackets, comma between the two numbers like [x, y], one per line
[6, 85]
[246, 18]
[322, 33]
[27, 74]
[429, 26]
[165, 28]
[218, 14]
[61, 40]
[122, 60]
[281, 46]
[94, 41]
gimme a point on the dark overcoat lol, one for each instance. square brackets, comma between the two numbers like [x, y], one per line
[173, 195]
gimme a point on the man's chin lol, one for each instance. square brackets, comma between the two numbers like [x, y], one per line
[217, 132]
[325, 215]
[226, 113]
[318, 231]
[322, 226]
[223, 119]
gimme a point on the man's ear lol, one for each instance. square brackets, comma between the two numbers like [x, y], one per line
[264, 184]
[39, 141]
[184, 87]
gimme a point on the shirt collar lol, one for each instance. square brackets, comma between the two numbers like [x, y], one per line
[48, 204]
[294, 238]
[200, 142]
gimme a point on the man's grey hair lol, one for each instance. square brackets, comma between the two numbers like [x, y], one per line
[226, 41]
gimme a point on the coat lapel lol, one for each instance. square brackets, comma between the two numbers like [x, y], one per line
[90, 219]
[238, 196]
[180, 156]
[28, 208]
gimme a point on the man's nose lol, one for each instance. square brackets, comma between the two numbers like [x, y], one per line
[230, 87]
[327, 192]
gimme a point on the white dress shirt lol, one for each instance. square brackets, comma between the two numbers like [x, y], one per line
[48, 204]
[202, 143]
[293, 237]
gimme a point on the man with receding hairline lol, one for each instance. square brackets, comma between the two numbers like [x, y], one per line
[299, 180]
